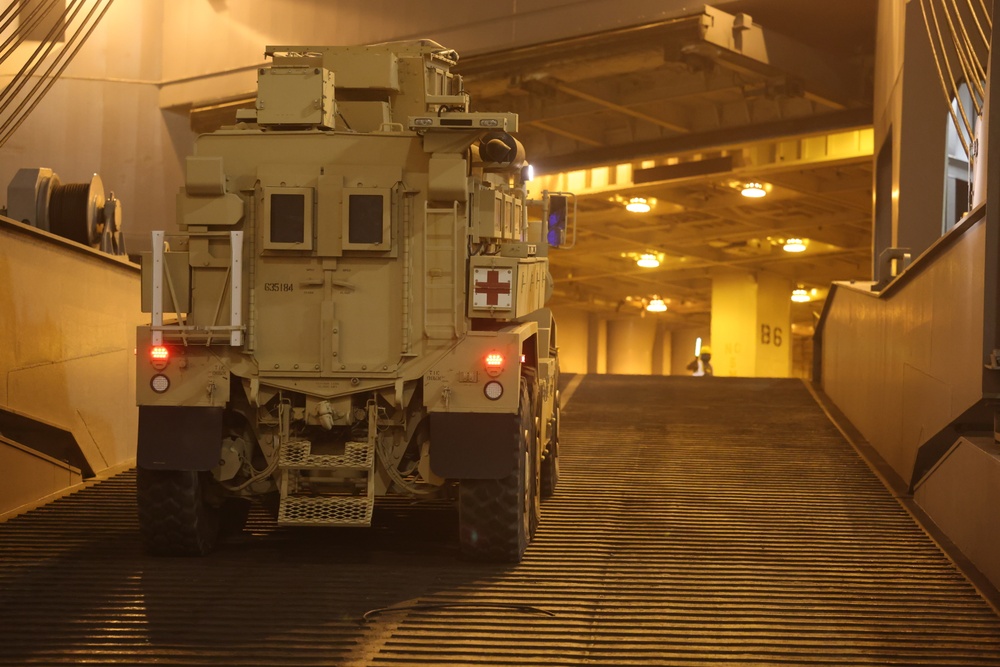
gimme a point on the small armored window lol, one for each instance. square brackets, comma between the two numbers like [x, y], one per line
[288, 218]
[288, 221]
[365, 215]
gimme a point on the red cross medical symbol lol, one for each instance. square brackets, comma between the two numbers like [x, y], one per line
[493, 288]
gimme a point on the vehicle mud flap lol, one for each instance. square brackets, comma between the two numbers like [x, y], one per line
[179, 438]
[473, 445]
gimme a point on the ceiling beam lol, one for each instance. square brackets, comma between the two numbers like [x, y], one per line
[715, 140]
[607, 104]
[682, 268]
[548, 127]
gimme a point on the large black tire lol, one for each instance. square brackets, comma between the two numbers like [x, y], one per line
[175, 518]
[495, 515]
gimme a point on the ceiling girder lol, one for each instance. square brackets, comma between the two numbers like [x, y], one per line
[620, 108]
[704, 141]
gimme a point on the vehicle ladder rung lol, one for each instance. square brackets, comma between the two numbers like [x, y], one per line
[442, 240]
[298, 456]
[325, 511]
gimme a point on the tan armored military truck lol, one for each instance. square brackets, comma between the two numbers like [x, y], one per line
[353, 308]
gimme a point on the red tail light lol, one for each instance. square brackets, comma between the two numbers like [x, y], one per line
[494, 364]
[159, 355]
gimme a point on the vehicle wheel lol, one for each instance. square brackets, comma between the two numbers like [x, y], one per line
[175, 518]
[550, 455]
[495, 514]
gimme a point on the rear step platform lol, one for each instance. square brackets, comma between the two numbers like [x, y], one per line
[325, 510]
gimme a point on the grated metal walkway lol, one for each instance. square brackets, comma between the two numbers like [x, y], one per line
[698, 522]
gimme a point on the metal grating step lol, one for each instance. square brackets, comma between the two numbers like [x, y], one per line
[298, 455]
[325, 511]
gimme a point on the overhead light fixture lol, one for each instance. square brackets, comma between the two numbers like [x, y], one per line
[648, 261]
[656, 306]
[794, 245]
[800, 295]
[753, 190]
[637, 205]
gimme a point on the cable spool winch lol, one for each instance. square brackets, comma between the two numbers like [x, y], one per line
[80, 212]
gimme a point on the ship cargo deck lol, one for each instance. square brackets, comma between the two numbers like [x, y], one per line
[698, 521]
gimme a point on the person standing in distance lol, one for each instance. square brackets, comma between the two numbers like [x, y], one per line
[702, 364]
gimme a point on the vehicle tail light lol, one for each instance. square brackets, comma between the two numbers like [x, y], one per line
[494, 363]
[159, 355]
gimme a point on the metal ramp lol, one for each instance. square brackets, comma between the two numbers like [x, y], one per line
[698, 521]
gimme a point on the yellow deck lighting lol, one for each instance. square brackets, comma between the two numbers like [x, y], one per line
[794, 245]
[637, 205]
[656, 306]
[800, 296]
[648, 261]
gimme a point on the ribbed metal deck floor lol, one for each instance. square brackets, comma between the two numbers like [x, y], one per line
[717, 521]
